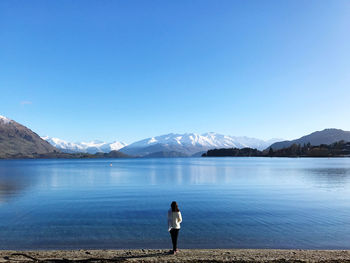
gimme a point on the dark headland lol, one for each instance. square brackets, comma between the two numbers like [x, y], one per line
[337, 149]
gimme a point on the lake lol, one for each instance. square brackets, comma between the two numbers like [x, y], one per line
[225, 203]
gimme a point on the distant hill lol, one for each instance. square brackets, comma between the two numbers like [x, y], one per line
[233, 152]
[111, 154]
[198, 154]
[327, 136]
[16, 139]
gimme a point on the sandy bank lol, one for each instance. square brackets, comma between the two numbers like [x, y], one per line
[186, 255]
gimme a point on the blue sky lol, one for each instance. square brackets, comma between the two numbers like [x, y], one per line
[126, 70]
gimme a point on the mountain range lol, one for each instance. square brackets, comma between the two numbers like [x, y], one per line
[168, 145]
[190, 144]
[18, 141]
[85, 147]
[326, 136]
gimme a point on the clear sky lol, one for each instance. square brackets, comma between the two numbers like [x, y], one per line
[126, 70]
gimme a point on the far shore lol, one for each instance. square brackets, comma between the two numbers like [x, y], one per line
[185, 255]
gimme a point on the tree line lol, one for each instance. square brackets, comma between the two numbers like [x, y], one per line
[337, 149]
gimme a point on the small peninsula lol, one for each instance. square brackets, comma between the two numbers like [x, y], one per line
[337, 149]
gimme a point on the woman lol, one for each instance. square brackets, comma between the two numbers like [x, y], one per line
[174, 220]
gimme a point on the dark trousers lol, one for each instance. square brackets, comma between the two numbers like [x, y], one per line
[174, 234]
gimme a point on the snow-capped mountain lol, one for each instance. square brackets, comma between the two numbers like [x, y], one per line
[4, 120]
[88, 147]
[191, 143]
[18, 141]
[181, 144]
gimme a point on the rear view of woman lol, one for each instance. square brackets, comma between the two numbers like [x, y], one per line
[174, 220]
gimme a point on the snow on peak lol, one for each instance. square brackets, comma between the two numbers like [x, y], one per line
[4, 120]
[208, 140]
[152, 140]
[187, 142]
[89, 147]
[115, 146]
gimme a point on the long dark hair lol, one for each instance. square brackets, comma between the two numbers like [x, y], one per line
[174, 207]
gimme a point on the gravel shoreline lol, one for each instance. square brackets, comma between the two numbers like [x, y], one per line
[185, 255]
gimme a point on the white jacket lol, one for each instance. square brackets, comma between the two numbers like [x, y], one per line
[174, 220]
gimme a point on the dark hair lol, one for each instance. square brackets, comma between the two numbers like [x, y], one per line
[174, 207]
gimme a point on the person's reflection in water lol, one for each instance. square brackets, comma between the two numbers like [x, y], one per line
[174, 220]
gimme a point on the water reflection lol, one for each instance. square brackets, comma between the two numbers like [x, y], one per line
[330, 178]
[8, 189]
[16, 176]
[242, 202]
[13, 183]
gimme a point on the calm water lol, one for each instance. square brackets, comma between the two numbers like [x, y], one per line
[225, 203]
